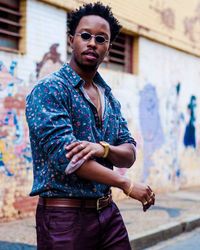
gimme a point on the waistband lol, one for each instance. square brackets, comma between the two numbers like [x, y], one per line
[73, 202]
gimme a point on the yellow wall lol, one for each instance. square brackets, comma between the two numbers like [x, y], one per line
[172, 22]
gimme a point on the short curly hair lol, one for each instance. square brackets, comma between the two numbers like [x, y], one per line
[93, 9]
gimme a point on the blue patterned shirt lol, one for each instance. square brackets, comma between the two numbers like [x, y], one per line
[59, 113]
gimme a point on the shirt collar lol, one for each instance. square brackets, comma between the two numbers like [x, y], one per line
[99, 80]
[76, 80]
[71, 75]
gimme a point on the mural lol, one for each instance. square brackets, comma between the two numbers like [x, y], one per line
[150, 125]
[166, 14]
[192, 25]
[167, 162]
[15, 153]
[167, 172]
[189, 136]
[173, 121]
[50, 62]
[14, 148]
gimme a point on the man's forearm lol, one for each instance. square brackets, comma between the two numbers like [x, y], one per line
[122, 156]
[92, 170]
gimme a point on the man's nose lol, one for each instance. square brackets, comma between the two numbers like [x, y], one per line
[92, 42]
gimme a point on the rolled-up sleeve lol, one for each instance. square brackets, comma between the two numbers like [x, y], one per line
[49, 123]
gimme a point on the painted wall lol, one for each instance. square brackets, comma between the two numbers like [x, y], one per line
[161, 105]
[172, 22]
[46, 49]
[170, 80]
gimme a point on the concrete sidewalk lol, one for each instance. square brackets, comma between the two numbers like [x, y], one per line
[173, 214]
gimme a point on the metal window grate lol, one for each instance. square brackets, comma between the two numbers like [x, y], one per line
[120, 55]
[10, 24]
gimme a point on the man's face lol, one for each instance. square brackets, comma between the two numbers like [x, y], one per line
[88, 54]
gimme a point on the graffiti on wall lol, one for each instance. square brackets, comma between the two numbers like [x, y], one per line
[167, 162]
[15, 153]
[14, 148]
[160, 150]
[166, 14]
[50, 62]
[167, 17]
[189, 136]
[150, 125]
[192, 25]
[172, 123]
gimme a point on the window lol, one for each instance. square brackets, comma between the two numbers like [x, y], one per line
[121, 54]
[10, 24]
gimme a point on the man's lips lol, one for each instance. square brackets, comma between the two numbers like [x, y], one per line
[90, 54]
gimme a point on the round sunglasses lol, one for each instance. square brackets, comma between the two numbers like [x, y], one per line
[87, 37]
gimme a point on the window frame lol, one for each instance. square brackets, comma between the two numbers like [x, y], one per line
[18, 11]
[121, 53]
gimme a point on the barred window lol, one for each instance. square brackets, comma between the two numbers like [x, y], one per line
[10, 24]
[121, 54]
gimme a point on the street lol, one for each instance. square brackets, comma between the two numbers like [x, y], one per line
[186, 241]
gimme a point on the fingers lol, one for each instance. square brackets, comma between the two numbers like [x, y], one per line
[149, 199]
[72, 145]
[88, 156]
[80, 150]
[152, 197]
[149, 190]
[84, 154]
[145, 207]
[75, 148]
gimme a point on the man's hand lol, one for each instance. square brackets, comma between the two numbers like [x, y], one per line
[84, 150]
[142, 193]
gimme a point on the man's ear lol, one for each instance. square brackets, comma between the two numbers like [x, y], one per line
[71, 40]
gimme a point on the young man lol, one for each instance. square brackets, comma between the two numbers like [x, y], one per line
[77, 135]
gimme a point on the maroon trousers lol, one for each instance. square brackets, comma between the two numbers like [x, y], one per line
[61, 228]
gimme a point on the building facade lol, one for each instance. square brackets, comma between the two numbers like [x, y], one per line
[153, 69]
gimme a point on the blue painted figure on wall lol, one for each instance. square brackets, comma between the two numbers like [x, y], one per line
[189, 136]
[150, 124]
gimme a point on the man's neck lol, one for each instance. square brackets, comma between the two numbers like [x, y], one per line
[87, 76]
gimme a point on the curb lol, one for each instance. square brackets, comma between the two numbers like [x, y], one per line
[162, 233]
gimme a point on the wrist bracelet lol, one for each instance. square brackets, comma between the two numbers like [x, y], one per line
[130, 189]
